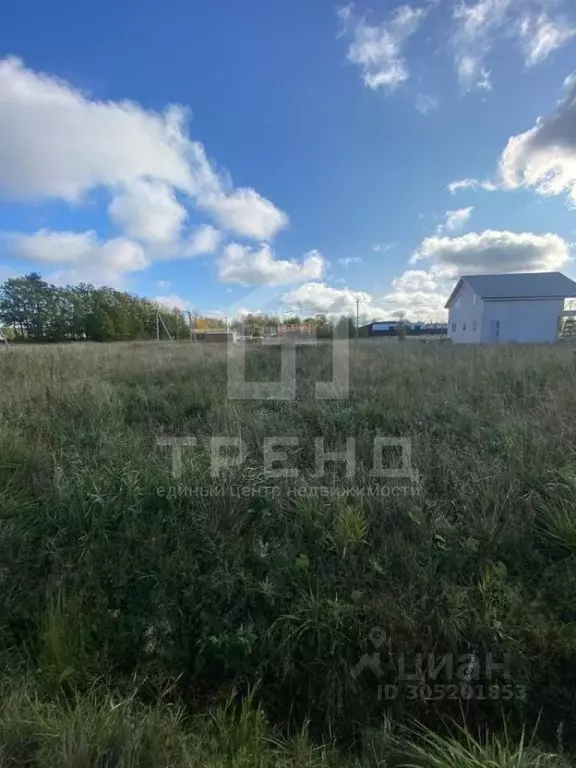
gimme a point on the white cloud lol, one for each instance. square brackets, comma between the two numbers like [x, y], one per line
[454, 220]
[173, 301]
[52, 247]
[240, 264]
[422, 293]
[205, 239]
[244, 212]
[478, 25]
[474, 26]
[346, 16]
[164, 283]
[416, 305]
[416, 281]
[148, 211]
[377, 50]
[544, 157]
[58, 142]
[316, 298]
[491, 251]
[90, 259]
[542, 35]
[321, 298]
[419, 294]
[456, 186]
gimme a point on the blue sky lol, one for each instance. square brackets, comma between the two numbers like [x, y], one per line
[295, 156]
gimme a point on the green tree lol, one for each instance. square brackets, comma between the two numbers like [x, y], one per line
[25, 304]
[99, 326]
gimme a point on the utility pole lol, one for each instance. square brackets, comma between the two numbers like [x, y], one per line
[157, 326]
[192, 325]
[164, 326]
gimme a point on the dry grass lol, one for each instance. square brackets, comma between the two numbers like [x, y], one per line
[118, 580]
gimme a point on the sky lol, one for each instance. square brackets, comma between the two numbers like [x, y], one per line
[298, 156]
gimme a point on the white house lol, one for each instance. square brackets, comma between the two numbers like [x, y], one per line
[508, 308]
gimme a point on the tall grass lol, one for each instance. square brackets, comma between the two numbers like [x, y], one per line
[117, 577]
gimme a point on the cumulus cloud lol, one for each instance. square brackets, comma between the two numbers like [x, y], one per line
[52, 247]
[416, 281]
[240, 264]
[454, 220]
[419, 294]
[544, 157]
[416, 305]
[57, 142]
[321, 298]
[89, 259]
[477, 25]
[317, 297]
[205, 239]
[378, 49]
[245, 212]
[491, 251]
[173, 301]
[148, 211]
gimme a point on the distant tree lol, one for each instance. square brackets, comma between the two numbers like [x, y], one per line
[120, 319]
[345, 327]
[99, 326]
[25, 303]
[38, 311]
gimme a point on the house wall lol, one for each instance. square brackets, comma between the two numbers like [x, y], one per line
[465, 313]
[528, 320]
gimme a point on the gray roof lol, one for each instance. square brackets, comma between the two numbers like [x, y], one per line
[528, 285]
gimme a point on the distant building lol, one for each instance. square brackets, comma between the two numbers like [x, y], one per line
[392, 328]
[384, 328]
[215, 337]
[287, 329]
[508, 308]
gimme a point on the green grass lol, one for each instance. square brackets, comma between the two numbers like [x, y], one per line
[119, 583]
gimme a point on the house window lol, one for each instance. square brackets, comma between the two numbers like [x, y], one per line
[474, 326]
[457, 304]
[453, 327]
[474, 300]
[463, 326]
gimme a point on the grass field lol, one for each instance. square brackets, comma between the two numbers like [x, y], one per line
[242, 620]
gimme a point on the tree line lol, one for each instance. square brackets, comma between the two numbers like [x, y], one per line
[33, 310]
